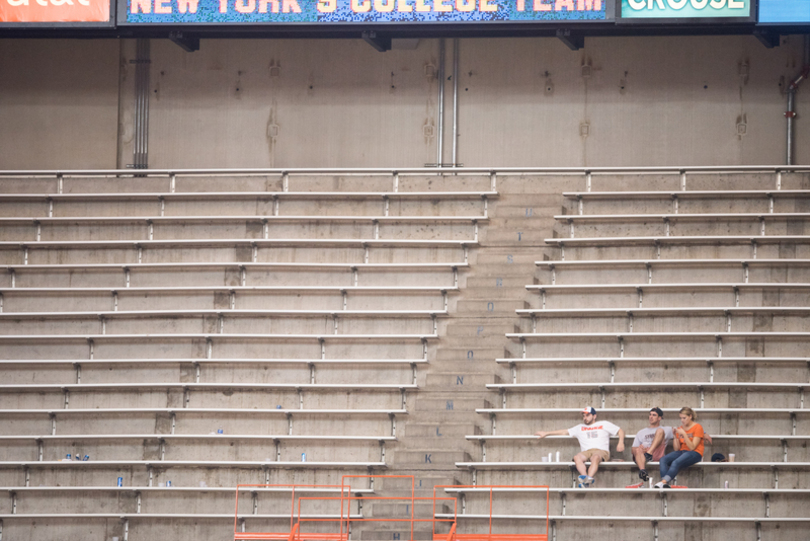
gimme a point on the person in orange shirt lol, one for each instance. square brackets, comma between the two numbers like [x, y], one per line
[688, 445]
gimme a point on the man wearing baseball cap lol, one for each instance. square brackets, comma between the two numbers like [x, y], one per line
[651, 442]
[594, 443]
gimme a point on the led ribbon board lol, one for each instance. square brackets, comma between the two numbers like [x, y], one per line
[784, 11]
[670, 11]
[54, 12]
[326, 12]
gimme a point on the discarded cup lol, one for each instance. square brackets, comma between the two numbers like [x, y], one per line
[68, 456]
[86, 458]
[168, 483]
[558, 456]
[731, 457]
[120, 481]
[303, 457]
[279, 407]
[549, 457]
[725, 485]
[545, 459]
[220, 431]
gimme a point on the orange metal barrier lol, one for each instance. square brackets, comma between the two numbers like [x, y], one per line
[343, 520]
[489, 536]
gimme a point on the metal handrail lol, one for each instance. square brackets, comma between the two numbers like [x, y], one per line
[410, 170]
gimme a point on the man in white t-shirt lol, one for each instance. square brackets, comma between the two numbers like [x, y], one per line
[651, 442]
[594, 443]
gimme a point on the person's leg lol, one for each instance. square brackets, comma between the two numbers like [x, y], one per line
[682, 462]
[666, 461]
[639, 458]
[658, 440]
[579, 460]
[596, 459]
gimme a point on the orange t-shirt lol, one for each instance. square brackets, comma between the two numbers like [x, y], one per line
[695, 431]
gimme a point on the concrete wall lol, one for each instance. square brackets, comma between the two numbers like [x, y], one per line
[58, 104]
[339, 103]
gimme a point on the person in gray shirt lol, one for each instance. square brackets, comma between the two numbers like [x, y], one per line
[651, 442]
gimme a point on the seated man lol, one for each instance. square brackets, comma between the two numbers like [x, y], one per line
[651, 442]
[594, 443]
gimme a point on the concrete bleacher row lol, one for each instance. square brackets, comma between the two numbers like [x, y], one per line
[139, 316]
[669, 291]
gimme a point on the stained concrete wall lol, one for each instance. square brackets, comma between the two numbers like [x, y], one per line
[339, 103]
[58, 104]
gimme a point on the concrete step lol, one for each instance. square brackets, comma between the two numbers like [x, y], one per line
[501, 269]
[523, 194]
[522, 254]
[528, 209]
[516, 236]
[483, 330]
[395, 509]
[454, 404]
[491, 293]
[535, 221]
[460, 381]
[473, 352]
[396, 531]
[493, 307]
[440, 430]
[431, 457]
[474, 342]
[465, 366]
[498, 280]
[398, 486]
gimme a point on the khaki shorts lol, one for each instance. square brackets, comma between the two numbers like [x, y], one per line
[605, 455]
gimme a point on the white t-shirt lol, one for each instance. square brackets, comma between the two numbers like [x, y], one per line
[595, 436]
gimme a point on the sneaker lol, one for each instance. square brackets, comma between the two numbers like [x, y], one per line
[581, 481]
[659, 484]
[642, 474]
[648, 457]
[589, 481]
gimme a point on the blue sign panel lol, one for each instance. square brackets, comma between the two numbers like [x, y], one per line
[325, 12]
[784, 11]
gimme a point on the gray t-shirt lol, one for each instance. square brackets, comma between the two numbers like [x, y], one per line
[645, 437]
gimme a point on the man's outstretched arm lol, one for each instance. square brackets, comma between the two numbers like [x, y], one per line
[562, 432]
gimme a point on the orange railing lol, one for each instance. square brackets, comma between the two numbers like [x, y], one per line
[489, 536]
[298, 521]
[343, 519]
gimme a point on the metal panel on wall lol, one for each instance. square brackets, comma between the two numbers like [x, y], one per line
[332, 12]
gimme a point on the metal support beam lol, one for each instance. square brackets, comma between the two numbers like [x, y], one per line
[188, 43]
[572, 41]
[380, 43]
[767, 38]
